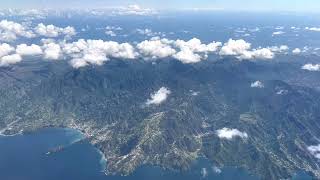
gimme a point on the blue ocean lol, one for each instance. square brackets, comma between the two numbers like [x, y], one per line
[37, 156]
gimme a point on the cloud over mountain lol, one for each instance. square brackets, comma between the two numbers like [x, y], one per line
[242, 50]
[84, 52]
[5, 49]
[226, 133]
[311, 67]
[257, 84]
[25, 50]
[54, 31]
[158, 97]
[10, 31]
[156, 48]
[10, 59]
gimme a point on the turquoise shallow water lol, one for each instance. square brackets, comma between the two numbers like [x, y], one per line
[23, 157]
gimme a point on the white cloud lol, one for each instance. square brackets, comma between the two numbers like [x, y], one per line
[78, 63]
[5, 49]
[133, 10]
[54, 31]
[52, 51]
[194, 93]
[277, 33]
[311, 67]
[111, 33]
[257, 84]
[315, 151]
[187, 56]
[263, 53]
[149, 32]
[226, 133]
[295, 28]
[123, 51]
[85, 52]
[156, 48]
[10, 59]
[296, 51]
[195, 45]
[235, 47]
[194, 50]
[191, 51]
[282, 92]
[10, 30]
[313, 29]
[279, 49]
[241, 49]
[25, 50]
[90, 56]
[159, 97]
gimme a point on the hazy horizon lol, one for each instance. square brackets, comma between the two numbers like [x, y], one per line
[227, 5]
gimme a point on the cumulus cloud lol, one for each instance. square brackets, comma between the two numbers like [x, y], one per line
[54, 31]
[10, 59]
[311, 67]
[242, 50]
[195, 45]
[257, 84]
[5, 49]
[296, 51]
[10, 30]
[79, 62]
[313, 29]
[156, 48]
[315, 151]
[191, 51]
[235, 47]
[159, 97]
[25, 50]
[226, 133]
[194, 50]
[52, 51]
[187, 56]
[263, 53]
[85, 52]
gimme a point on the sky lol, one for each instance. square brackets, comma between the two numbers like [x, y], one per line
[248, 5]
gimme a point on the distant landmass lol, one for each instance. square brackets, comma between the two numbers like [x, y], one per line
[108, 104]
[164, 91]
